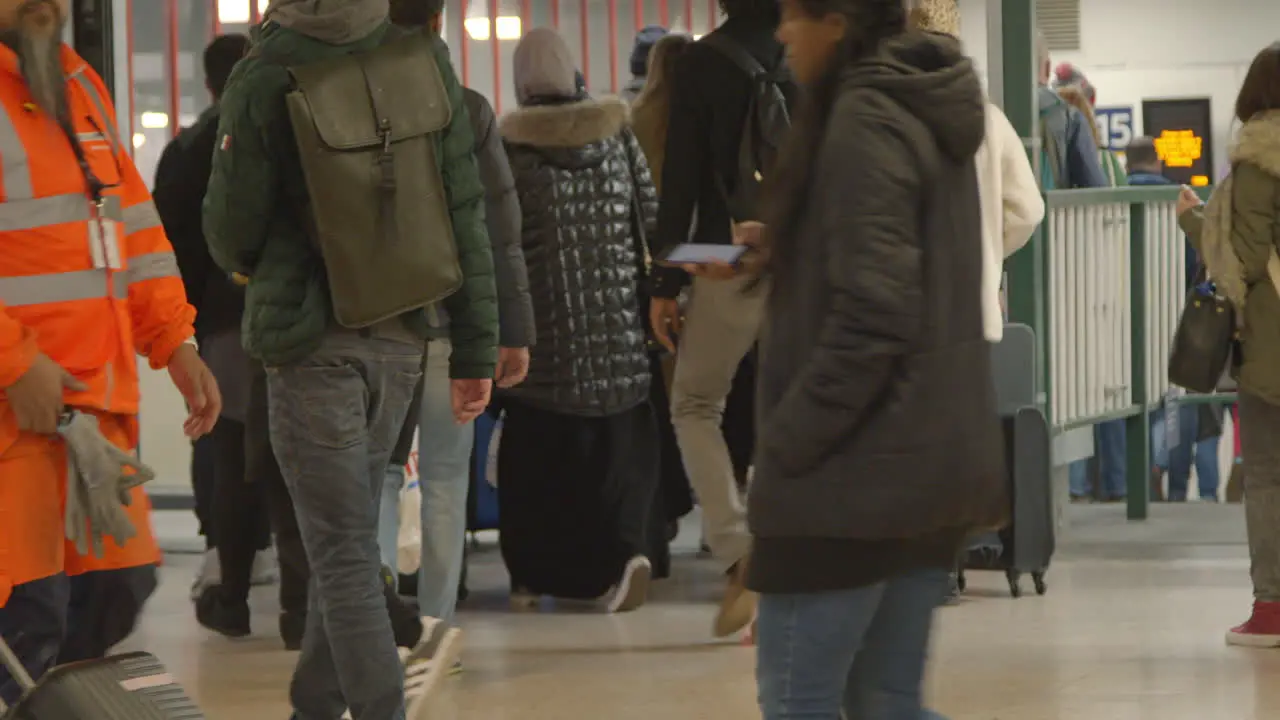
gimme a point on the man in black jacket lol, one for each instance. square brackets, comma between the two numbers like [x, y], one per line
[710, 99]
[444, 453]
[236, 516]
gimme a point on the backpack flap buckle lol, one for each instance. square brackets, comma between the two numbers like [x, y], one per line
[386, 179]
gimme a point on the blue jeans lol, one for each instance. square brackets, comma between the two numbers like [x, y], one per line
[1205, 454]
[444, 472]
[861, 652]
[335, 418]
[1109, 446]
[1159, 439]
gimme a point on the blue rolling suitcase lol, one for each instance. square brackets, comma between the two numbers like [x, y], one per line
[482, 500]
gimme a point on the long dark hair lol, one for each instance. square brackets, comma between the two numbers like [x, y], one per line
[870, 23]
[1261, 89]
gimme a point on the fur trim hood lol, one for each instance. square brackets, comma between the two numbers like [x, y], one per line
[570, 125]
[1257, 144]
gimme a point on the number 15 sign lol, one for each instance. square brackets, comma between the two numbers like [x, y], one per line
[1115, 127]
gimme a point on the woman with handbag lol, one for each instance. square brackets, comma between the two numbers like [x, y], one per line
[1237, 234]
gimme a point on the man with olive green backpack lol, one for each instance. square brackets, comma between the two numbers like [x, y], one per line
[324, 205]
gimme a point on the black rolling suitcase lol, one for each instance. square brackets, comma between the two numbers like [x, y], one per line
[132, 686]
[1027, 544]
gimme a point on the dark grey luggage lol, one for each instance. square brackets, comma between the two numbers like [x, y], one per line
[1026, 545]
[132, 686]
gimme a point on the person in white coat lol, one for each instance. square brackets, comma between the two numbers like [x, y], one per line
[1012, 206]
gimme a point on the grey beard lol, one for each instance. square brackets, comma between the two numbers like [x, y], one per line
[40, 60]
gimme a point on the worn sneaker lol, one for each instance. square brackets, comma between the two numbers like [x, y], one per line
[266, 570]
[633, 588]
[427, 663]
[209, 574]
[738, 606]
[1261, 630]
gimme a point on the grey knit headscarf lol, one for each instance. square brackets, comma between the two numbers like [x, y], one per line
[336, 22]
[543, 67]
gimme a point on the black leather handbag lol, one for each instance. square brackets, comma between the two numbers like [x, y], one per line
[1204, 341]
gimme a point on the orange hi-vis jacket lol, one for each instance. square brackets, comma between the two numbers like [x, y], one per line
[86, 277]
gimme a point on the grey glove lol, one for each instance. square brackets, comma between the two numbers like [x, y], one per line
[98, 485]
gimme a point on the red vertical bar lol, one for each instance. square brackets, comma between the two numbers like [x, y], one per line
[555, 14]
[526, 16]
[254, 14]
[688, 16]
[496, 46]
[585, 27]
[464, 44]
[664, 14]
[133, 111]
[171, 61]
[637, 6]
[713, 9]
[613, 44]
[217, 21]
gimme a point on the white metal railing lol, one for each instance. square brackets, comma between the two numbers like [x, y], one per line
[1088, 311]
[1165, 255]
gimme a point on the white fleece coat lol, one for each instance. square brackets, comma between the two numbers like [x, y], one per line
[1012, 208]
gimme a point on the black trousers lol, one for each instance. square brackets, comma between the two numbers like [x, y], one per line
[262, 494]
[576, 497]
[203, 454]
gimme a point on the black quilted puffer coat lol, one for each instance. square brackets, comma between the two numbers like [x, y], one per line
[577, 166]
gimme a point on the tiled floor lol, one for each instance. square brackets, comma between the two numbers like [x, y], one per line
[1115, 639]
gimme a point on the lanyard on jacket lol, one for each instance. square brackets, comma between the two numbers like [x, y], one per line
[104, 233]
[94, 187]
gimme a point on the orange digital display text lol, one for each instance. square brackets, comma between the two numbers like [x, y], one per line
[1179, 148]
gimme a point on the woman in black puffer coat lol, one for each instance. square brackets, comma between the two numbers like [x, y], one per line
[578, 453]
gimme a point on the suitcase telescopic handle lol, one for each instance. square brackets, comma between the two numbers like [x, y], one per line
[16, 669]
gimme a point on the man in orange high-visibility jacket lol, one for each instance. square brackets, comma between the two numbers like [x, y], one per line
[87, 282]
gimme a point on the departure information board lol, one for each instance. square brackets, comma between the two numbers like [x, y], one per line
[1183, 133]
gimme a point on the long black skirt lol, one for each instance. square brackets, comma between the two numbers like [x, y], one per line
[575, 498]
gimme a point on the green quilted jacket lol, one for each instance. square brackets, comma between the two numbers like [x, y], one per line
[256, 194]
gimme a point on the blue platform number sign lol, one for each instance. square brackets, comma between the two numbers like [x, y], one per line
[1115, 126]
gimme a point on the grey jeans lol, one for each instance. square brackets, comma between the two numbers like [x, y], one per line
[335, 418]
[721, 324]
[1260, 456]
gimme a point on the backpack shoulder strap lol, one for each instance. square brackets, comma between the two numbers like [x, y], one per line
[731, 49]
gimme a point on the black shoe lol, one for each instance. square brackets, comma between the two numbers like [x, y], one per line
[408, 585]
[214, 612]
[405, 623]
[292, 626]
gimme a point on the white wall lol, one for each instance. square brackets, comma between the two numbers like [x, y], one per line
[164, 447]
[1160, 49]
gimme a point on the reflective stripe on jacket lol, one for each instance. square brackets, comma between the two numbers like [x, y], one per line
[90, 284]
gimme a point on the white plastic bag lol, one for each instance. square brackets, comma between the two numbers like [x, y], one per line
[409, 541]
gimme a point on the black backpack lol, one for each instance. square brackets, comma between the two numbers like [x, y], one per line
[767, 123]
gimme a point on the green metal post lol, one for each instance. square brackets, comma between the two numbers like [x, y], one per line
[1026, 278]
[1137, 428]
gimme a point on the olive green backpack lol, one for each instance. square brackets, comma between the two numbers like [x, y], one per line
[367, 127]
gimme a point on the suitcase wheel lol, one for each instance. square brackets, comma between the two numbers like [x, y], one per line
[1038, 579]
[1015, 587]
